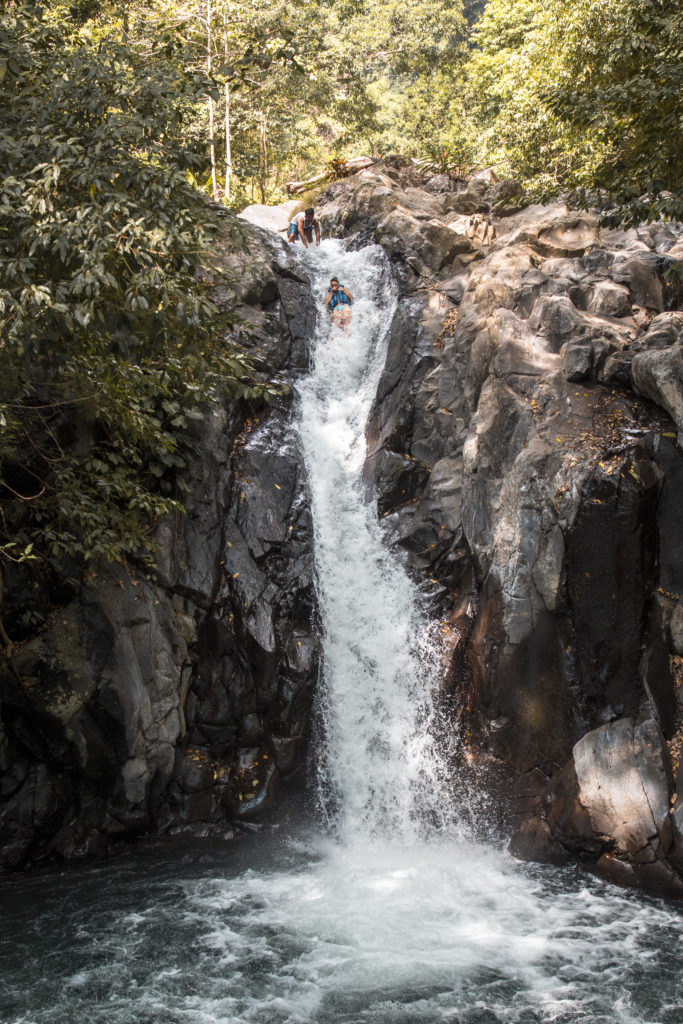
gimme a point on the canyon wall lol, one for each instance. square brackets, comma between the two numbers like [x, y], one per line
[179, 701]
[525, 453]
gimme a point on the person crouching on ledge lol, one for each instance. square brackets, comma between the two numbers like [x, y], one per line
[339, 301]
[303, 226]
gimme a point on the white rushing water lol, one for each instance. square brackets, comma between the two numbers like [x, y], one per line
[393, 916]
[381, 766]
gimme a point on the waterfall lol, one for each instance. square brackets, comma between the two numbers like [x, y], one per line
[381, 771]
[396, 919]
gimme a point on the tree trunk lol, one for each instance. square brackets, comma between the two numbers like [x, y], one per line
[212, 147]
[3, 635]
[263, 159]
[228, 148]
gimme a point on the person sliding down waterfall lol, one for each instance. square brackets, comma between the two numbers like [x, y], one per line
[339, 301]
[303, 226]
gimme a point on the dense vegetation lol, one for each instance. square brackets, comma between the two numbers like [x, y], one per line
[585, 95]
[109, 346]
[579, 94]
[118, 123]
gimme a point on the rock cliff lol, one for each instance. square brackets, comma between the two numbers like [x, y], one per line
[525, 449]
[525, 452]
[179, 701]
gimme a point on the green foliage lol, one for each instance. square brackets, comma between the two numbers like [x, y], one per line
[579, 97]
[406, 54]
[110, 347]
[291, 98]
[583, 96]
[502, 80]
[299, 82]
[618, 85]
[400, 37]
[423, 120]
[310, 81]
[292, 116]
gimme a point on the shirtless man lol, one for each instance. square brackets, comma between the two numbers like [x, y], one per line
[303, 226]
[339, 301]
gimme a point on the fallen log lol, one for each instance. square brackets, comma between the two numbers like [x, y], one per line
[335, 169]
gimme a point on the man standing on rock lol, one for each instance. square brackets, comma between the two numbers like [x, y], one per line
[303, 226]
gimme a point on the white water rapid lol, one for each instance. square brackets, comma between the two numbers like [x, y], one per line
[393, 916]
[381, 769]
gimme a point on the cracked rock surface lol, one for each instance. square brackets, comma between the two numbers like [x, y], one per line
[525, 451]
[180, 702]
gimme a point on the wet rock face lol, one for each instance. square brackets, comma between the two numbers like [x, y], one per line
[524, 448]
[181, 702]
[658, 375]
[527, 468]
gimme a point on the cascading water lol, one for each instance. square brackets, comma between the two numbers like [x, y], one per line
[381, 763]
[399, 920]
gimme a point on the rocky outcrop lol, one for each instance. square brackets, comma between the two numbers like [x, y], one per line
[273, 218]
[528, 473]
[180, 700]
[525, 451]
[658, 375]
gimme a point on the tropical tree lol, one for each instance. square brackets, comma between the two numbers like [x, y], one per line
[617, 86]
[583, 96]
[110, 347]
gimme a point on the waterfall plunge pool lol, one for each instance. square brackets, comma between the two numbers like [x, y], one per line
[273, 930]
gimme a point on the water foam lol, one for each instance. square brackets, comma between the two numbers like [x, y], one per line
[322, 932]
[397, 923]
[382, 770]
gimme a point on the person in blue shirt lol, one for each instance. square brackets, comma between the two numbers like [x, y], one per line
[339, 301]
